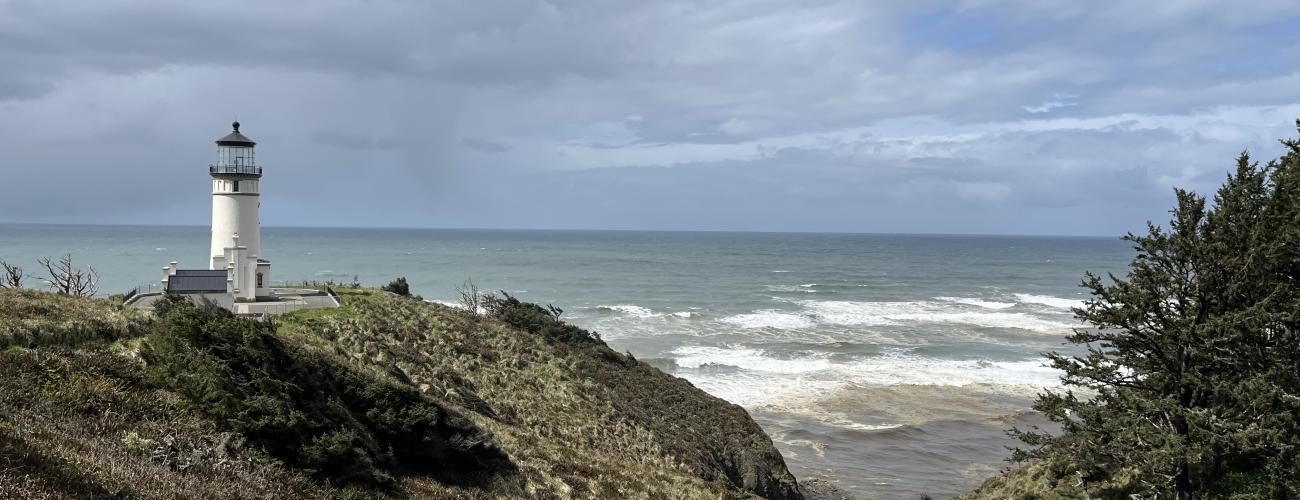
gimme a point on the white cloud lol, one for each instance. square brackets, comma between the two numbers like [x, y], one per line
[1056, 101]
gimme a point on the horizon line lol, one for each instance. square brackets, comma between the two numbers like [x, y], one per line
[559, 229]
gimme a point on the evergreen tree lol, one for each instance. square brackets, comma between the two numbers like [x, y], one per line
[1190, 384]
[398, 286]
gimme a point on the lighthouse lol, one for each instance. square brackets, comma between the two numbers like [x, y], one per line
[236, 226]
[237, 277]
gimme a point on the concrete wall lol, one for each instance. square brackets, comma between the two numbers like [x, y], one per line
[264, 269]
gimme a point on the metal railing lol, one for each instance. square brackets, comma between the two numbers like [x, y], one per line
[235, 169]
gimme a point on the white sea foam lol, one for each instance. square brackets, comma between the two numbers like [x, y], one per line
[808, 285]
[764, 380]
[790, 288]
[770, 318]
[754, 360]
[889, 369]
[839, 312]
[916, 370]
[1048, 300]
[893, 313]
[988, 314]
[630, 310]
[457, 305]
[987, 304]
[753, 390]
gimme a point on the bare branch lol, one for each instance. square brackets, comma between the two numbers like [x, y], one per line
[64, 278]
[470, 297]
[12, 277]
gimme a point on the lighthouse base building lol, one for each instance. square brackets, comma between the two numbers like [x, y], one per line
[237, 277]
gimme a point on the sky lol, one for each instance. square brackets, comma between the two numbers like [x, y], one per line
[979, 116]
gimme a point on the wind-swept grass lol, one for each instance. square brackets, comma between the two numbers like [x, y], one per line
[30, 318]
[84, 424]
[313, 414]
[578, 418]
[1034, 481]
[385, 396]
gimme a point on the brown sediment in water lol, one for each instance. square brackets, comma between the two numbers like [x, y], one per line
[878, 441]
[918, 404]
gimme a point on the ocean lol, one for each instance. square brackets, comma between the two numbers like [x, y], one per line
[890, 365]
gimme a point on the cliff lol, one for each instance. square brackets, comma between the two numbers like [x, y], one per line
[387, 396]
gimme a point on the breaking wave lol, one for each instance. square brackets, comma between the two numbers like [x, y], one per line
[641, 312]
[885, 369]
[770, 318]
[746, 359]
[987, 304]
[760, 378]
[808, 314]
[1049, 301]
[629, 309]
[894, 313]
[790, 288]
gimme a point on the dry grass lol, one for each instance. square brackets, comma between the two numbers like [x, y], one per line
[82, 424]
[1036, 481]
[78, 417]
[30, 318]
[579, 421]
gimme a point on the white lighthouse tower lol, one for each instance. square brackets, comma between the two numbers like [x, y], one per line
[236, 226]
[237, 277]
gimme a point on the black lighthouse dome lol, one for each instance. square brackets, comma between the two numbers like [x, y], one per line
[235, 156]
[235, 138]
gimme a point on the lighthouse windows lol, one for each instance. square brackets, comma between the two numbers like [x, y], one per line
[234, 186]
[235, 156]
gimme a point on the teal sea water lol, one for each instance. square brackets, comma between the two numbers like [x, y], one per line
[887, 364]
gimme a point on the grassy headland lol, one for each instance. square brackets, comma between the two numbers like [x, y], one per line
[387, 395]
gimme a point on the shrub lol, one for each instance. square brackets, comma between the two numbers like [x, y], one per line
[347, 427]
[544, 321]
[398, 286]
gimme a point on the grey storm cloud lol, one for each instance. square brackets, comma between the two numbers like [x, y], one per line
[484, 145]
[826, 115]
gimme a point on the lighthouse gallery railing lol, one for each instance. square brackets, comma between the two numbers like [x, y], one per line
[235, 169]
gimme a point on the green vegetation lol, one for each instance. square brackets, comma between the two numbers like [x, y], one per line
[398, 286]
[538, 320]
[29, 318]
[313, 415]
[384, 396]
[1193, 364]
[577, 418]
